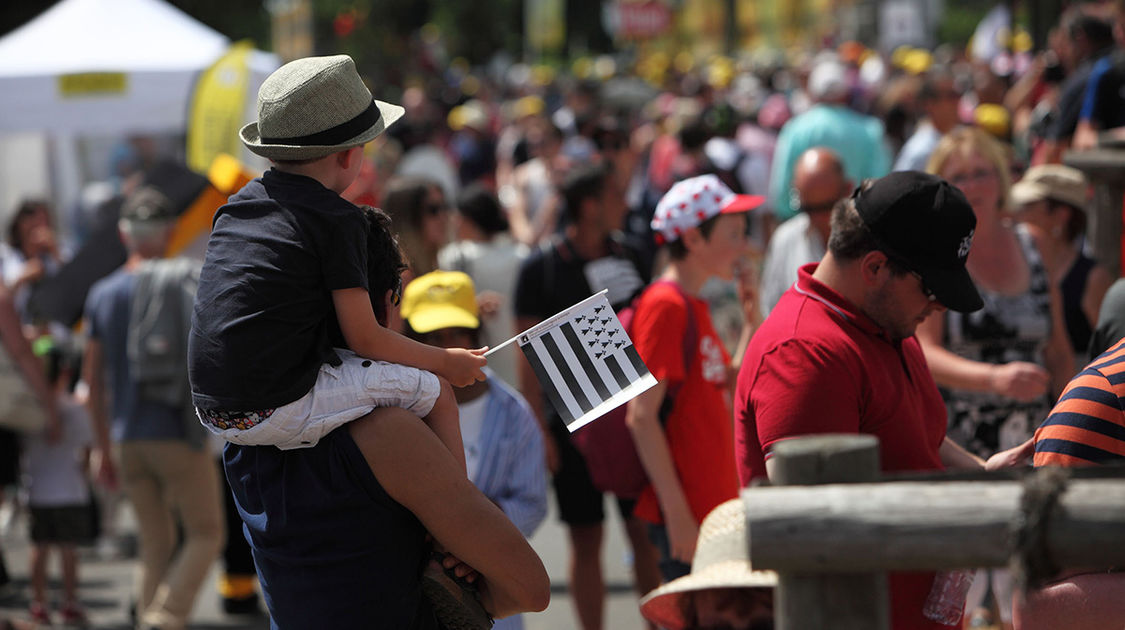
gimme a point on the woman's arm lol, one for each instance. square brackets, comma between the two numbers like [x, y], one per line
[1019, 379]
[515, 201]
[418, 471]
[747, 285]
[643, 418]
[19, 351]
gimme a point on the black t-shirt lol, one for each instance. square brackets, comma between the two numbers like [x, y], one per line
[263, 315]
[1071, 95]
[554, 278]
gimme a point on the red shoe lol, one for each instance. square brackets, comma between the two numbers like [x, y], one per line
[74, 616]
[39, 613]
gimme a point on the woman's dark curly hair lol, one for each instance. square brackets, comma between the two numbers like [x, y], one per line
[385, 262]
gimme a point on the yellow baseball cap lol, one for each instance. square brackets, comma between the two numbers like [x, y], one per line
[440, 299]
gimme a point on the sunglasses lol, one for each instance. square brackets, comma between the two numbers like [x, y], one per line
[434, 209]
[819, 207]
[959, 180]
[925, 289]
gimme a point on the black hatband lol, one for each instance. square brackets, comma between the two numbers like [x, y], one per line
[334, 135]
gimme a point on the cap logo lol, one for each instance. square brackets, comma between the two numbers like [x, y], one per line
[440, 292]
[966, 244]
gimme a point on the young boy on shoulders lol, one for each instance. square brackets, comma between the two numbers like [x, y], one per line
[285, 346]
[682, 426]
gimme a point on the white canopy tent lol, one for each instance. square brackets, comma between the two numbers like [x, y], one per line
[105, 68]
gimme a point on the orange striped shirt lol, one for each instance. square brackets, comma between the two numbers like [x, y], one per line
[1087, 425]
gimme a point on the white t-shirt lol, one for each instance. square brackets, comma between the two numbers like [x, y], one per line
[794, 243]
[472, 428]
[53, 473]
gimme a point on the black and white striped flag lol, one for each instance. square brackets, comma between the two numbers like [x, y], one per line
[585, 362]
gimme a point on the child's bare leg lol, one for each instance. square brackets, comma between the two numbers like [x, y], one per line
[38, 575]
[69, 573]
[445, 422]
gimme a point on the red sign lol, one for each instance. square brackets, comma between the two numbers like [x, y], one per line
[641, 20]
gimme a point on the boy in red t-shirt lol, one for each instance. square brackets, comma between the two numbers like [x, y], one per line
[682, 426]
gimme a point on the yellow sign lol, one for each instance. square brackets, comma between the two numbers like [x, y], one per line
[545, 26]
[217, 108]
[92, 84]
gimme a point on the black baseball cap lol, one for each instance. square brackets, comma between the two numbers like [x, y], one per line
[926, 224]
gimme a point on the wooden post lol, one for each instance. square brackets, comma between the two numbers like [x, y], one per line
[842, 601]
[1105, 168]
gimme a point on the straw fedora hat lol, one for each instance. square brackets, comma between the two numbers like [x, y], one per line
[1051, 181]
[722, 560]
[313, 107]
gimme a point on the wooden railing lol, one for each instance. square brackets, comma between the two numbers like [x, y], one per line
[831, 531]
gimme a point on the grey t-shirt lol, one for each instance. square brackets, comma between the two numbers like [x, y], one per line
[131, 417]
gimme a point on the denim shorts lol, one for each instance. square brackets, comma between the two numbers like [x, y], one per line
[341, 394]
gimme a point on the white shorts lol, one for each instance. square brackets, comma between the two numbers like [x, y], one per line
[341, 394]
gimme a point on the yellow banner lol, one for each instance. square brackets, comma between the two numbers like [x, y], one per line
[217, 108]
[92, 84]
[545, 25]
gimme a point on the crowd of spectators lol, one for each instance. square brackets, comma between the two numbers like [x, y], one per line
[540, 188]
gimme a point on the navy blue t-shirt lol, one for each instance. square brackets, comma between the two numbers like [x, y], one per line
[263, 315]
[332, 549]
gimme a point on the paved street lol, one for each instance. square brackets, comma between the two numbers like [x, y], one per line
[105, 586]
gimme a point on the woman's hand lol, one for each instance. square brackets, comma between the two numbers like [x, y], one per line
[489, 304]
[105, 473]
[746, 288]
[1015, 456]
[1020, 380]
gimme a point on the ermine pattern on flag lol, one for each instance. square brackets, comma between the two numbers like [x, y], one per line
[585, 362]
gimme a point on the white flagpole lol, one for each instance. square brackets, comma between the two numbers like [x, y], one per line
[548, 323]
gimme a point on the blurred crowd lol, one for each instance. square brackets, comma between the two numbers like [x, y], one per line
[482, 175]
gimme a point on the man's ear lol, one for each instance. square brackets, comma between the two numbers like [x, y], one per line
[870, 266]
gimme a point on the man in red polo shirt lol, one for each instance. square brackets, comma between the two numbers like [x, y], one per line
[838, 354]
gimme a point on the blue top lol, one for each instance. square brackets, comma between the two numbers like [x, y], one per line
[131, 418]
[859, 140]
[332, 548]
[512, 472]
[1090, 95]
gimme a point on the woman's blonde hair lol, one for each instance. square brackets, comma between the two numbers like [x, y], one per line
[965, 141]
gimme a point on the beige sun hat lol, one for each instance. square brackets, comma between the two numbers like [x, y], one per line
[722, 560]
[1051, 181]
[313, 107]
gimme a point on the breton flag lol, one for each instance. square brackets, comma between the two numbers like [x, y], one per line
[585, 362]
